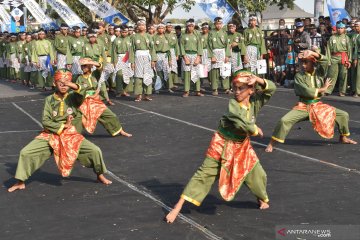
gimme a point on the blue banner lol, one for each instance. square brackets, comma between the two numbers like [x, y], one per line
[217, 8]
[337, 11]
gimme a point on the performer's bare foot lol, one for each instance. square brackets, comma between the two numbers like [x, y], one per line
[270, 146]
[263, 205]
[17, 186]
[170, 218]
[101, 178]
[125, 134]
[346, 140]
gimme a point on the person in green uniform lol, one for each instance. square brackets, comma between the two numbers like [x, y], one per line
[42, 57]
[89, 89]
[84, 32]
[356, 62]
[162, 49]
[236, 41]
[174, 52]
[26, 61]
[219, 53]
[339, 47]
[76, 45]
[12, 56]
[61, 45]
[255, 44]
[142, 58]
[96, 52]
[191, 52]
[310, 86]
[230, 149]
[2, 57]
[205, 60]
[60, 114]
[120, 58]
[20, 53]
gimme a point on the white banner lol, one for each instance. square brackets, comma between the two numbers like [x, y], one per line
[5, 15]
[37, 12]
[66, 13]
[105, 11]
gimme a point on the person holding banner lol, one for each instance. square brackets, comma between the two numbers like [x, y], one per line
[43, 58]
[162, 49]
[76, 45]
[61, 44]
[219, 53]
[174, 52]
[237, 46]
[205, 60]
[143, 59]
[255, 44]
[310, 85]
[60, 137]
[339, 46]
[230, 156]
[119, 57]
[191, 51]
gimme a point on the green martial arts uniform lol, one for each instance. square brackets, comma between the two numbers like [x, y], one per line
[255, 47]
[142, 42]
[205, 57]
[20, 54]
[26, 59]
[174, 47]
[356, 69]
[76, 46]
[237, 50]
[12, 50]
[218, 41]
[306, 87]
[108, 119]
[337, 45]
[61, 46]
[121, 46]
[238, 123]
[55, 113]
[162, 49]
[2, 56]
[191, 48]
[42, 49]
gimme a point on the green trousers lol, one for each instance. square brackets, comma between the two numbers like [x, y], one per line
[215, 79]
[3, 72]
[337, 71]
[34, 155]
[356, 78]
[169, 84]
[141, 88]
[121, 86]
[110, 122]
[173, 77]
[188, 83]
[200, 184]
[285, 124]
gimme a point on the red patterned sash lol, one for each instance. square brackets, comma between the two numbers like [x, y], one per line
[91, 108]
[66, 148]
[322, 117]
[237, 161]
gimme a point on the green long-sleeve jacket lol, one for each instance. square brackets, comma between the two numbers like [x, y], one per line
[339, 43]
[190, 43]
[307, 85]
[76, 46]
[239, 121]
[142, 42]
[11, 48]
[356, 54]
[120, 45]
[56, 111]
[42, 48]
[88, 85]
[94, 51]
[161, 44]
[173, 42]
[217, 40]
[255, 37]
[239, 40]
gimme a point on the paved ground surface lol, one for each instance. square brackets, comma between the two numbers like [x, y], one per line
[149, 171]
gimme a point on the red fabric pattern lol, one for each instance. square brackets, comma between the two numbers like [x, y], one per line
[91, 108]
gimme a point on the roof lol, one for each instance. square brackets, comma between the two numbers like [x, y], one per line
[273, 12]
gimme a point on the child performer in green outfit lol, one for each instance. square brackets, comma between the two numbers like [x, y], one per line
[230, 156]
[61, 121]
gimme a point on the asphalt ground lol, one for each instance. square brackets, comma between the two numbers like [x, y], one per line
[311, 181]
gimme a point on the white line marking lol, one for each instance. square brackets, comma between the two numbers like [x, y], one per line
[204, 230]
[256, 143]
[11, 155]
[30, 100]
[20, 131]
[27, 114]
[207, 233]
[271, 106]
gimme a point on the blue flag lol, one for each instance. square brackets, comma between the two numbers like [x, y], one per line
[217, 8]
[337, 11]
